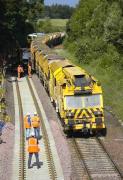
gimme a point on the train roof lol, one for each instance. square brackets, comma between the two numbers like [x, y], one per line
[51, 57]
[74, 71]
[60, 64]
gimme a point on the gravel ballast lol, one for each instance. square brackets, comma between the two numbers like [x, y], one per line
[6, 152]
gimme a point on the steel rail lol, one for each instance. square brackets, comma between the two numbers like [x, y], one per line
[80, 158]
[85, 149]
[22, 167]
[115, 165]
[51, 166]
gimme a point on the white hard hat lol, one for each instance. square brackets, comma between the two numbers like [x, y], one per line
[35, 113]
[28, 114]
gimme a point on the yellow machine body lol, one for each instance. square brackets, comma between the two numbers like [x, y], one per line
[77, 96]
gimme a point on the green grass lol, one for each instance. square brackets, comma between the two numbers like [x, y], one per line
[56, 25]
[59, 22]
[56, 22]
[111, 80]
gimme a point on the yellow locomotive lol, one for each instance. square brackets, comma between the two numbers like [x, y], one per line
[77, 96]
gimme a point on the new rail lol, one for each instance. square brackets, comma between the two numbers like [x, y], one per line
[52, 170]
[22, 173]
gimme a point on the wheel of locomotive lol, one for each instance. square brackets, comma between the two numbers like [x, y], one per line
[103, 132]
[94, 133]
[70, 133]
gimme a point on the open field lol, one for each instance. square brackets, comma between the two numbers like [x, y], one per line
[111, 80]
[56, 22]
[59, 22]
[55, 25]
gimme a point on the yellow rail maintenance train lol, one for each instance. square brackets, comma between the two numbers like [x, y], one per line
[77, 95]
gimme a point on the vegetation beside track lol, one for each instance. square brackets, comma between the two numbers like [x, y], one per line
[110, 78]
[3, 114]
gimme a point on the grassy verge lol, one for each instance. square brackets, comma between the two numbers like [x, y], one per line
[111, 80]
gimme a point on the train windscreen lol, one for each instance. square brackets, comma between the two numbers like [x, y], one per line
[79, 102]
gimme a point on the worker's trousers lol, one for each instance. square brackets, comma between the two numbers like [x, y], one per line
[37, 132]
[30, 158]
[28, 133]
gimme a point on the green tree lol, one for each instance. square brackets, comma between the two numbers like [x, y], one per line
[14, 26]
[95, 32]
[58, 11]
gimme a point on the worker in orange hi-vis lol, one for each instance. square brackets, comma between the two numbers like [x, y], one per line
[35, 123]
[33, 149]
[27, 125]
[30, 69]
[20, 70]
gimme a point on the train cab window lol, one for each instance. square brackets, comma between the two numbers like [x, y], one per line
[81, 81]
[93, 100]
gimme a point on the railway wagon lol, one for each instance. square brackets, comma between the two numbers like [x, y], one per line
[77, 95]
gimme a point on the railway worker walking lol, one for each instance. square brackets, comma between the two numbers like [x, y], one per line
[33, 149]
[27, 124]
[20, 70]
[35, 122]
[29, 69]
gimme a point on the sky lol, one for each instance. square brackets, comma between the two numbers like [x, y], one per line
[66, 2]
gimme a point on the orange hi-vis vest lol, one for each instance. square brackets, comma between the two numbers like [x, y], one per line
[26, 123]
[33, 145]
[35, 122]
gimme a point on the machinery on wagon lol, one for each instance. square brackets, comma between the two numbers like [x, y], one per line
[77, 95]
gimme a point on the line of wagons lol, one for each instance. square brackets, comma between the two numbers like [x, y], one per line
[76, 95]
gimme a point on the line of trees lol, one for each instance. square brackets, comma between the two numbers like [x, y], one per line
[19, 18]
[57, 11]
[95, 32]
[15, 23]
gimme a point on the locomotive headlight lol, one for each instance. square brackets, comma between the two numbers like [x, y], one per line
[70, 114]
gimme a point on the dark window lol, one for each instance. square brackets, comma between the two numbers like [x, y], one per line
[82, 80]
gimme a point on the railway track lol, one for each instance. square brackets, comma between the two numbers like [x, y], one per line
[51, 166]
[89, 157]
[77, 162]
[28, 101]
[96, 160]
[22, 162]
